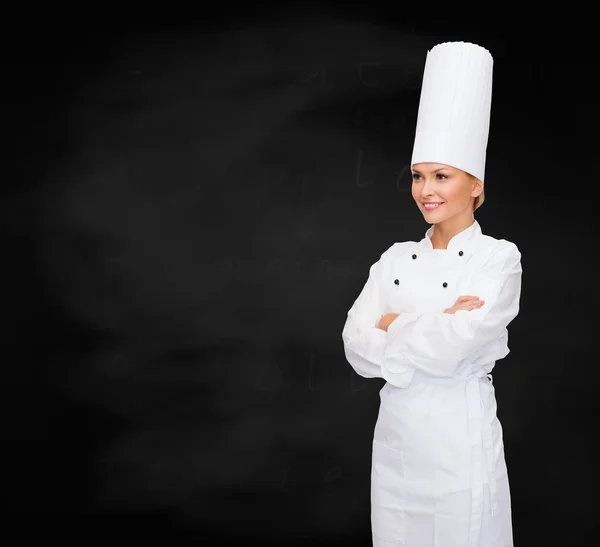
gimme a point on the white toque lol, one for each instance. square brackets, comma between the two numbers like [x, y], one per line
[454, 111]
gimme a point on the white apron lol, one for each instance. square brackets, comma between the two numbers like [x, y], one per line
[439, 476]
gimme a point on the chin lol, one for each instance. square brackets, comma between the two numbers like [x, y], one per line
[433, 215]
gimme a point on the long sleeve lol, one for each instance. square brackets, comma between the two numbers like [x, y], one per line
[364, 343]
[437, 343]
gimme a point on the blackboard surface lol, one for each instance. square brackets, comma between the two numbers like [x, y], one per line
[191, 207]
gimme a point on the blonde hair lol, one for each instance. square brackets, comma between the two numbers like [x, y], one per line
[480, 198]
[479, 201]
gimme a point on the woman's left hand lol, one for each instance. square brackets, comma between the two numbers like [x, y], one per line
[386, 321]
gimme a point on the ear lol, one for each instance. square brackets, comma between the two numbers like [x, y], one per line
[477, 187]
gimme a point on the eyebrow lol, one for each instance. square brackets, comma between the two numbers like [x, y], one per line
[435, 170]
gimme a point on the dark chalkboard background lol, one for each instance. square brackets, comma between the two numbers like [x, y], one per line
[190, 209]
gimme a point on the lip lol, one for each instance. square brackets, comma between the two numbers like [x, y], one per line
[440, 203]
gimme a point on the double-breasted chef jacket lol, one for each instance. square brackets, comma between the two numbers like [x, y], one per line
[439, 477]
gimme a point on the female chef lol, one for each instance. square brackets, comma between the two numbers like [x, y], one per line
[432, 321]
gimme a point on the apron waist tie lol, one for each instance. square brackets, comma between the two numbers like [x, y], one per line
[482, 445]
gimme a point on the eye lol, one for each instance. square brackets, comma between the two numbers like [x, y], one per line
[416, 176]
[442, 176]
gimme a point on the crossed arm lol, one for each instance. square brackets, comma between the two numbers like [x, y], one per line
[393, 346]
[467, 302]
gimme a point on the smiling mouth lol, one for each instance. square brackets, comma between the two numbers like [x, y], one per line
[430, 207]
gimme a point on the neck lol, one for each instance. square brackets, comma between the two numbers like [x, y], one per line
[444, 231]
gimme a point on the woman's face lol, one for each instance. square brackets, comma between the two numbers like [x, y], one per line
[453, 189]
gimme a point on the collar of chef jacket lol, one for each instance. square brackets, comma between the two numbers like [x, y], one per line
[461, 242]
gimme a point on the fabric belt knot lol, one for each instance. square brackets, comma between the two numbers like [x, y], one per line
[482, 446]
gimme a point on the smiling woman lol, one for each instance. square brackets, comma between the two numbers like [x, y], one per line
[431, 320]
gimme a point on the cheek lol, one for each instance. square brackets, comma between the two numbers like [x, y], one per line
[415, 192]
[451, 193]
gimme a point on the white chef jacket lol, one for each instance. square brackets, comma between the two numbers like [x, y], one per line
[439, 477]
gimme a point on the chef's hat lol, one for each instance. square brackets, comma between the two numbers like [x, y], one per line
[454, 111]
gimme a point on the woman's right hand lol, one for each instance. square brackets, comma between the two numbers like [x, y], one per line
[466, 303]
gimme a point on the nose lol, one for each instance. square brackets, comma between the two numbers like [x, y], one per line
[426, 188]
